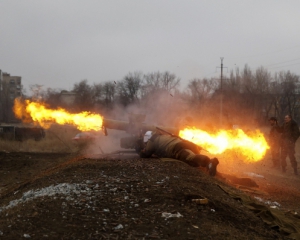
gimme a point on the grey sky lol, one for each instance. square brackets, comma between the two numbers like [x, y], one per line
[58, 43]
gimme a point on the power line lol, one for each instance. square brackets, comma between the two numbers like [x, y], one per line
[268, 53]
[283, 62]
[285, 66]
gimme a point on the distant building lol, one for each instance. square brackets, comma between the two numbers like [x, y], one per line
[67, 98]
[14, 85]
[10, 88]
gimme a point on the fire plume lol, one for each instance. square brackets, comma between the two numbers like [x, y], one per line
[252, 146]
[38, 112]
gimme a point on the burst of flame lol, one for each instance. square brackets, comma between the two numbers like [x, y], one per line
[38, 112]
[253, 146]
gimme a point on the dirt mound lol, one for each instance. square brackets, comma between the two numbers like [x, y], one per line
[63, 197]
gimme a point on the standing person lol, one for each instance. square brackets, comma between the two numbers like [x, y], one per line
[290, 134]
[274, 141]
[174, 147]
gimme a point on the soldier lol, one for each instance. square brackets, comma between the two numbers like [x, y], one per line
[174, 147]
[274, 141]
[290, 134]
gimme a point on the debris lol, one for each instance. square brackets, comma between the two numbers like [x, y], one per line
[200, 201]
[26, 235]
[251, 174]
[169, 215]
[212, 210]
[268, 202]
[120, 226]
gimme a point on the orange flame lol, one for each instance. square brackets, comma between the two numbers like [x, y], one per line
[252, 146]
[38, 112]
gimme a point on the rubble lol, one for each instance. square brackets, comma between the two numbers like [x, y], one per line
[267, 202]
[170, 215]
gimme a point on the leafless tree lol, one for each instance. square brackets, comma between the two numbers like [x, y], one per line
[109, 92]
[37, 91]
[289, 100]
[170, 81]
[201, 89]
[129, 89]
[52, 97]
[84, 96]
[161, 81]
[97, 93]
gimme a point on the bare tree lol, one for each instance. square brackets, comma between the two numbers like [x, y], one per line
[37, 91]
[84, 99]
[201, 89]
[129, 89]
[109, 92]
[161, 81]
[97, 92]
[170, 81]
[289, 96]
[52, 97]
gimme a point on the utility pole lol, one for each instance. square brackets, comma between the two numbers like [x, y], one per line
[221, 105]
[221, 95]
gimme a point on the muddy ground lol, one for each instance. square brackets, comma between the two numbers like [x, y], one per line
[65, 196]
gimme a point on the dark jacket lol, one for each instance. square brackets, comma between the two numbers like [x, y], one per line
[160, 145]
[275, 135]
[290, 131]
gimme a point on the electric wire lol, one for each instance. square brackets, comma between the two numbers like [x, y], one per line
[285, 66]
[283, 62]
[268, 53]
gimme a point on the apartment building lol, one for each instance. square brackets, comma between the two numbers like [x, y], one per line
[10, 88]
[13, 85]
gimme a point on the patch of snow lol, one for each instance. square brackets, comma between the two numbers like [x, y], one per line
[276, 204]
[251, 174]
[169, 215]
[120, 226]
[60, 189]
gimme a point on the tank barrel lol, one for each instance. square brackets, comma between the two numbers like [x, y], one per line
[115, 124]
[134, 127]
[137, 129]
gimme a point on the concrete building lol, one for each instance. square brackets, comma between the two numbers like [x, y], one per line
[13, 84]
[67, 98]
[10, 88]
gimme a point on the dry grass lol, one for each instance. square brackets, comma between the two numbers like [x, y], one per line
[58, 139]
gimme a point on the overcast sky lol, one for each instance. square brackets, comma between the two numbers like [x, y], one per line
[57, 43]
